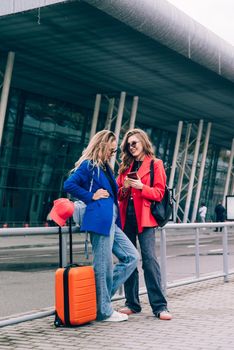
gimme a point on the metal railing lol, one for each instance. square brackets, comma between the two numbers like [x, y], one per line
[38, 231]
[197, 227]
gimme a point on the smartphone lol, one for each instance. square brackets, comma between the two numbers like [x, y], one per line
[133, 175]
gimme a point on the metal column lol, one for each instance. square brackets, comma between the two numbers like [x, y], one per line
[120, 114]
[133, 112]
[5, 91]
[228, 173]
[175, 155]
[119, 121]
[95, 115]
[193, 170]
[181, 174]
[201, 173]
[110, 114]
[232, 190]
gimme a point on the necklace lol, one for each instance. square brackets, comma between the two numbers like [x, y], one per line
[103, 166]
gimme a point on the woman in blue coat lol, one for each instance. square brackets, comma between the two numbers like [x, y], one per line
[93, 182]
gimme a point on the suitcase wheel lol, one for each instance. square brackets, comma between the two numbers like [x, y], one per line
[57, 321]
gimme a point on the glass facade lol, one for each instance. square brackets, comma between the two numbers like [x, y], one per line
[43, 138]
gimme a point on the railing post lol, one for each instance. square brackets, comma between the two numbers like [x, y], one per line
[163, 259]
[225, 253]
[197, 253]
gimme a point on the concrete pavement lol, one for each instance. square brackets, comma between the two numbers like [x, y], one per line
[203, 318]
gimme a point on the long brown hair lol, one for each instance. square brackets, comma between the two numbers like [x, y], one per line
[97, 148]
[126, 156]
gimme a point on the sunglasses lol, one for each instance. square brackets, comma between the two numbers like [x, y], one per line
[112, 151]
[132, 144]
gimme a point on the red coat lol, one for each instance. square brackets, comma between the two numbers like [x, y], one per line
[142, 198]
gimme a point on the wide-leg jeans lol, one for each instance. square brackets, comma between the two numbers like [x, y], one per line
[108, 277]
[151, 268]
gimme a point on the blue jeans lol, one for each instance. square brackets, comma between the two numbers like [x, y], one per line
[150, 267]
[108, 277]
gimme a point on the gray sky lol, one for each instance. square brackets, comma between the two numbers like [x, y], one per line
[217, 15]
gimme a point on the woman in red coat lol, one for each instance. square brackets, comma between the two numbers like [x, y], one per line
[135, 196]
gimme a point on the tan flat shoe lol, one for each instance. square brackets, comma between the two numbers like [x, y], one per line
[164, 315]
[126, 311]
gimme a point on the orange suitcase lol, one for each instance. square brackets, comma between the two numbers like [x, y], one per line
[75, 291]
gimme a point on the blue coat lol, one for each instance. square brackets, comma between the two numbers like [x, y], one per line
[99, 213]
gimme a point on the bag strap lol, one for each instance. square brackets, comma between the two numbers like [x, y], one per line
[152, 180]
[70, 234]
[152, 173]
[86, 233]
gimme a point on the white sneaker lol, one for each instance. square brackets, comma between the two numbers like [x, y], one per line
[116, 317]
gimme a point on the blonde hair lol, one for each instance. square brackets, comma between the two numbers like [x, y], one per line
[126, 156]
[97, 148]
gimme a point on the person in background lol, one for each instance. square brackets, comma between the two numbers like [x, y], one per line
[202, 212]
[220, 213]
[102, 220]
[135, 196]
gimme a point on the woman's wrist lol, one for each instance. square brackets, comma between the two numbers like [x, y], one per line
[125, 189]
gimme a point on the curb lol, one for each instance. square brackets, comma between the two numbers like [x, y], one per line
[29, 316]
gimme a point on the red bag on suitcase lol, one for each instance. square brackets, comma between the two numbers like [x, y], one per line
[75, 291]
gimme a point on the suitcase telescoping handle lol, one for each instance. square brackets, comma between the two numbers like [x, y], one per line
[60, 247]
[70, 244]
[70, 241]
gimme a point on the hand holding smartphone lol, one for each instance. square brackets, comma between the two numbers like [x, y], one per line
[132, 175]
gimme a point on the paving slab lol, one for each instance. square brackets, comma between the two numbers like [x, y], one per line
[203, 318]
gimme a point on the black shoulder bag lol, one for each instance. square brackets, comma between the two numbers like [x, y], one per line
[162, 210]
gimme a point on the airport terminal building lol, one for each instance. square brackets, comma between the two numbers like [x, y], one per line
[71, 68]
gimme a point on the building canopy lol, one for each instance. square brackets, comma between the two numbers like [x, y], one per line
[73, 50]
